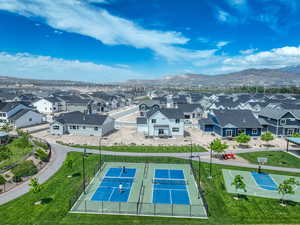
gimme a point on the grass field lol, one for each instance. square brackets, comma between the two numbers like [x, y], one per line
[17, 153]
[275, 158]
[144, 148]
[222, 208]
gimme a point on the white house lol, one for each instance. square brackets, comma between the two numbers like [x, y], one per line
[26, 118]
[18, 115]
[8, 109]
[162, 123]
[48, 105]
[82, 124]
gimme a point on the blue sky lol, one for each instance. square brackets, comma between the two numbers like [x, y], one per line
[116, 40]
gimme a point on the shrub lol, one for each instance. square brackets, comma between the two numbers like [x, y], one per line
[42, 155]
[17, 179]
[24, 169]
[5, 153]
[41, 145]
[2, 180]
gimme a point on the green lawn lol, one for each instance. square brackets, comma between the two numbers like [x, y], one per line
[222, 208]
[17, 152]
[275, 158]
[144, 148]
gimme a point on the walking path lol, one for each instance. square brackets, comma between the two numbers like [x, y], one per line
[53, 166]
[59, 153]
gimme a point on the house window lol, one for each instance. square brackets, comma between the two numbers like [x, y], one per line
[290, 132]
[55, 127]
[161, 131]
[153, 121]
[228, 133]
[95, 128]
[83, 127]
[72, 127]
[175, 129]
[30, 119]
[283, 122]
[254, 131]
[177, 121]
[240, 131]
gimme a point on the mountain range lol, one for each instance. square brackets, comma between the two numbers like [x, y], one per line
[262, 77]
[250, 77]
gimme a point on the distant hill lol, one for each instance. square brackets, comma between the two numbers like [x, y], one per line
[263, 77]
[5, 80]
[291, 69]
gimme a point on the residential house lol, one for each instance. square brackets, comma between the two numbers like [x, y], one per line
[48, 105]
[281, 119]
[230, 123]
[82, 124]
[162, 123]
[18, 115]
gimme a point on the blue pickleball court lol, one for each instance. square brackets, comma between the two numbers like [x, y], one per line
[108, 189]
[169, 187]
[265, 181]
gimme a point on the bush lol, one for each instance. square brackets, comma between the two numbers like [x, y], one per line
[41, 145]
[42, 155]
[16, 179]
[5, 153]
[2, 180]
[25, 169]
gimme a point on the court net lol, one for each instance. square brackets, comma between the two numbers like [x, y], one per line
[117, 180]
[169, 181]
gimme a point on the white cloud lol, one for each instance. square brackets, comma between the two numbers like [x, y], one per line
[248, 51]
[221, 44]
[82, 18]
[275, 58]
[223, 16]
[45, 67]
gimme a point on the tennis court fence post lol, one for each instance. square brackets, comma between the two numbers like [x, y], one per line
[102, 206]
[85, 206]
[172, 209]
[119, 207]
[154, 209]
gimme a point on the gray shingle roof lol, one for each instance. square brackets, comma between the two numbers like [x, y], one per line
[19, 114]
[141, 120]
[170, 113]
[7, 106]
[81, 118]
[237, 118]
[189, 107]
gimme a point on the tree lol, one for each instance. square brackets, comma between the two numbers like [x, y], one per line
[217, 146]
[2, 180]
[242, 138]
[5, 153]
[267, 137]
[296, 135]
[239, 184]
[7, 127]
[70, 163]
[287, 187]
[35, 186]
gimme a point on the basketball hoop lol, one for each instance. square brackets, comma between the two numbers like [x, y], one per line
[261, 161]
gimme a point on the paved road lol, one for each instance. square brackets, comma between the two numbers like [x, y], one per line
[60, 152]
[56, 161]
[123, 113]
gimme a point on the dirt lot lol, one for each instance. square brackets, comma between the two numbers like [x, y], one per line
[129, 136]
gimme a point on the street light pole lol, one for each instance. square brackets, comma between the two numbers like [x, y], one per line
[210, 165]
[199, 176]
[100, 156]
[83, 169]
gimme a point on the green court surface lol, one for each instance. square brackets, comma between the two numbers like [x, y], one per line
[260, 185]
[148, 189]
